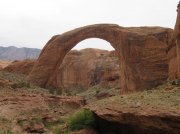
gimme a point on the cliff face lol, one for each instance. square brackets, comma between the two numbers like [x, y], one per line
[142, 52]
[87, 68]
[14, 53]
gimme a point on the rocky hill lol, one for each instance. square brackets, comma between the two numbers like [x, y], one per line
[14, 53]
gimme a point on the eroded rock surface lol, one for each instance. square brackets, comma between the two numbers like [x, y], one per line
[142, 52]
[21, 67]
[89, 67]
[148, 112]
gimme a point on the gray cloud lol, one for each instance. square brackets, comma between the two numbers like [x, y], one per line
[31, 23]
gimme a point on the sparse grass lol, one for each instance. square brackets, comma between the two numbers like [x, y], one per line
[73, 90]
[3, 120]
[21, 84]
[6, 132]
[166, 96]
[90, 94]
[55, 91]
[59, 129]
[13, 77]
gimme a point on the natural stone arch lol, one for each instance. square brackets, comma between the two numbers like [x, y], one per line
[128, 44]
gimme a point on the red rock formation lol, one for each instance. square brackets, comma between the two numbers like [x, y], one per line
[85, 68]
[174, 50]
[22, 67]
[148, 112]
[142, 52]
[102, 68]
[4, 82]
[4, 63]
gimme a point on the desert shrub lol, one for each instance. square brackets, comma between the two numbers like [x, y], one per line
[97, 91]
[176, 82]
[20, 84]
[59, 129]
[6, 132]
[81, 119]
[55, 91]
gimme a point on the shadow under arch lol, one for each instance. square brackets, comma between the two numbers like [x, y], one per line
[128, 44]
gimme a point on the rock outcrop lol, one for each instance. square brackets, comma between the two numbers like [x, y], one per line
[21, 67]
[142, 54]
[174, 50]
[149, 112]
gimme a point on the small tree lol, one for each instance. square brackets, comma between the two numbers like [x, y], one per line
[81, 119]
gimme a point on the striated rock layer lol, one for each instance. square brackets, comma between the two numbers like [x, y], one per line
[89, 67]
[142, 54]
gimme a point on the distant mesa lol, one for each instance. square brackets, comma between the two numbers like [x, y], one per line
[15, 53]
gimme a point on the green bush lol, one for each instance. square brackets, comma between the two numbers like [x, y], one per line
[81, 119]
[20, 84]
[59, 130]
[55, 91]
[6, 132]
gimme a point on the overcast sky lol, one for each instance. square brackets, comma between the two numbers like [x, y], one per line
[31, 23]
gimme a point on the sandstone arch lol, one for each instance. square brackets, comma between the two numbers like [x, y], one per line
[141, 51]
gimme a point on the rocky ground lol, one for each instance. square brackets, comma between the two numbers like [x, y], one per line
[25, 108]
[152, 111]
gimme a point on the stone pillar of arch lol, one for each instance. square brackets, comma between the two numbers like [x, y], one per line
[137, 61]
[174, 53]
[174, 50]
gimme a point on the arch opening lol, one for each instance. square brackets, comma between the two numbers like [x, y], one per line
[94, 43]
[92, 62]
